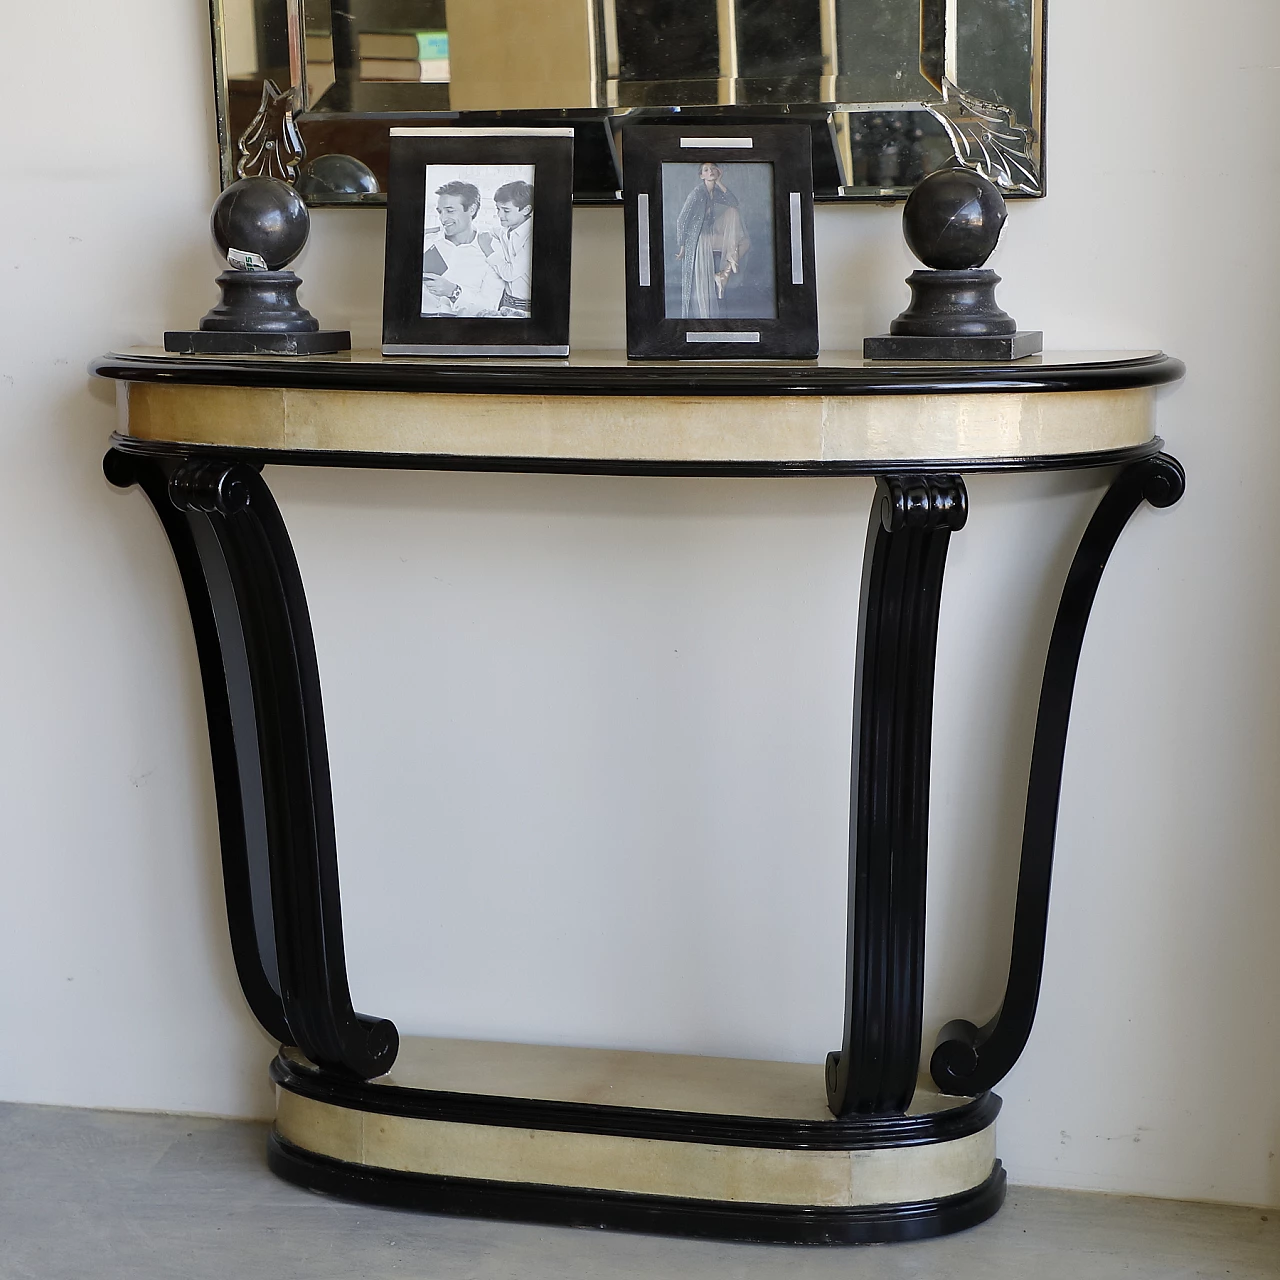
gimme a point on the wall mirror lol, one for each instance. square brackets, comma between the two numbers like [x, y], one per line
[891, 89]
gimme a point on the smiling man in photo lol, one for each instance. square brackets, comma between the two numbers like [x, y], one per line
[467, 285]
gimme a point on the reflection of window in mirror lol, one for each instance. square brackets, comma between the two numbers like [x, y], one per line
[780, 40]
[523, 54]
[878, 46]
[994, 44]
[700, 52]
[667, 40]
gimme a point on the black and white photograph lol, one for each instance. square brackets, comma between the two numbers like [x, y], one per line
[717, 221]
[719, 242]
[479, 230]
[477, 255]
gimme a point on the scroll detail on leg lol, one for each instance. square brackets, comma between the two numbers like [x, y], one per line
[912, 520]
[969, 1059]
[271, 769]
[210, 487]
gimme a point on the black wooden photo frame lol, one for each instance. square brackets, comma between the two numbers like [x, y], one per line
[719, 235]
[479, 236]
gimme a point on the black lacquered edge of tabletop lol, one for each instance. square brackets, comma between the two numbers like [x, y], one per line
[851, 1133]
[554, 377]
[631, 466]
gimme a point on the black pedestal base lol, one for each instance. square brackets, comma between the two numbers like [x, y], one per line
[259, 315]
[210, 342]
[953, 316]
[1003, 346]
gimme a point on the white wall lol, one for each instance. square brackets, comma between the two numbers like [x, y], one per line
[590, 736]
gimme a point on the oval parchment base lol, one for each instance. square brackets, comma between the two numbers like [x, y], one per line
[666, 1143]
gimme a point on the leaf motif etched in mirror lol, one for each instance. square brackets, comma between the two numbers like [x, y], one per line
[891, 89]
[272, 147]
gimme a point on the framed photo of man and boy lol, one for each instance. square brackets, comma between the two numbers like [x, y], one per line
[479, 228]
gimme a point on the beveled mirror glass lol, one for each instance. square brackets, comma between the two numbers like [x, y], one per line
[891, 89]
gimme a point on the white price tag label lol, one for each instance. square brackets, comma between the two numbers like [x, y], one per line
[242, 260]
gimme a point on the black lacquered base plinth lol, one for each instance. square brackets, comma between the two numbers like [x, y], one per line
[1009, 346]
[208, 342]
[590, 1137]
[651, 1215]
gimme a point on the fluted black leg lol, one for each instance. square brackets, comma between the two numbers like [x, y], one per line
[912, 520]
[970, 1059]
[270, 758]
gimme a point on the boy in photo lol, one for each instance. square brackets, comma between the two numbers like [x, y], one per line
[512, 256]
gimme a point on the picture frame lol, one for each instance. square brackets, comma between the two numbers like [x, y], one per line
[479, 236]
[719, 242]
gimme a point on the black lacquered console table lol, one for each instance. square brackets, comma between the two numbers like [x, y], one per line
[858, 1150]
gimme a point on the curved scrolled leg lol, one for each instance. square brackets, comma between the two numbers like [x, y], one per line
[912, 520]
[970, 1059]
[270, 759]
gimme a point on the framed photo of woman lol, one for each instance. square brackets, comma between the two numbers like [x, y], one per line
[719, 228]
[479, 228]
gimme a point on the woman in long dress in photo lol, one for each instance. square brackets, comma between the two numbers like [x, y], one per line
[712, 241]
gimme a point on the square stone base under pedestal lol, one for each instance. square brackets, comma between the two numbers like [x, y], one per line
[656, 1142]
[212, 342]
[1011, 346]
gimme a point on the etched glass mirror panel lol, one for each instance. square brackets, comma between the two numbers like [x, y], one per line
[892, 89]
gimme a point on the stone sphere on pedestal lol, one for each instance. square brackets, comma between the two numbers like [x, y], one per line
[953, 219]
[260, 225]
[952, 222]
[261, 216]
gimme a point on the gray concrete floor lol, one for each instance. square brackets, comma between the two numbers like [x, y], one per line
[107, 1194]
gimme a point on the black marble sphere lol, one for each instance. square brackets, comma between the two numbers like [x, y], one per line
[262, 216]
[953, 219]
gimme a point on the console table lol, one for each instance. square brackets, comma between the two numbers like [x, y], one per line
[857, 1149]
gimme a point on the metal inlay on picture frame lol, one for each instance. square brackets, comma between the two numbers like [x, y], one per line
[890, 89]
